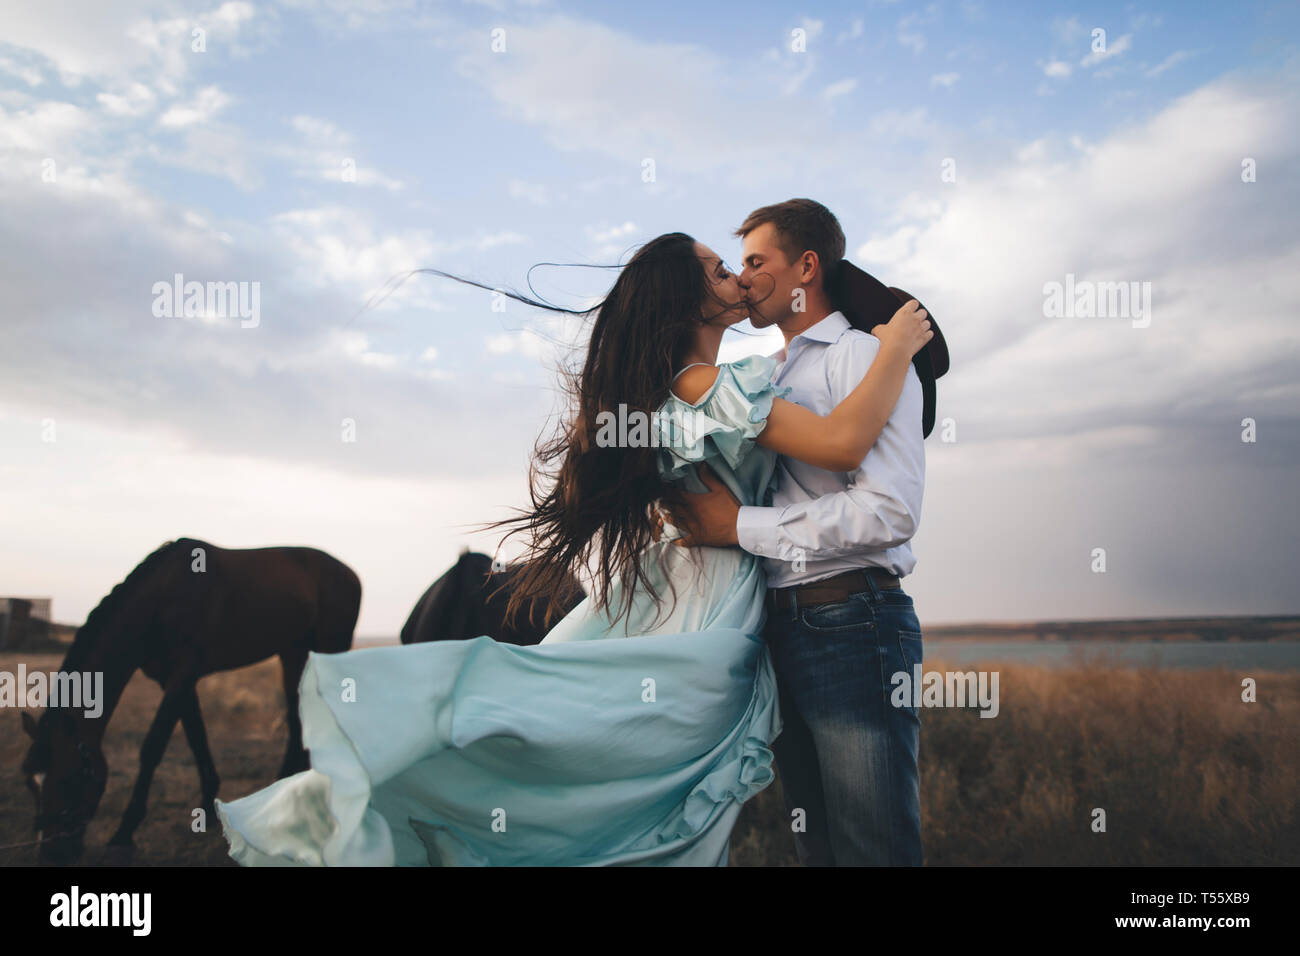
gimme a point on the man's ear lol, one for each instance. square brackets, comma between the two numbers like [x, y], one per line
[808, 264]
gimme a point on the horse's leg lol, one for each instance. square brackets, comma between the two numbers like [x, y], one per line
[292, 663]
[151, 754]
[196, 734]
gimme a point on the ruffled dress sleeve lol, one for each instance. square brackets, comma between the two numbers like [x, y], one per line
[723, 424]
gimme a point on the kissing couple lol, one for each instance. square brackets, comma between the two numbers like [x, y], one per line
[745, 610]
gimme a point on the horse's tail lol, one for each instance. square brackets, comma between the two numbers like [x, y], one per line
[339, 597]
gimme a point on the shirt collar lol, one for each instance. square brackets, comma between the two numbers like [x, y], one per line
[827, 330]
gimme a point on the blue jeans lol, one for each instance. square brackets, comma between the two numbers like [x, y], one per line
[847, 757]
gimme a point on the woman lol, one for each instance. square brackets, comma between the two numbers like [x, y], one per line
[586, 750]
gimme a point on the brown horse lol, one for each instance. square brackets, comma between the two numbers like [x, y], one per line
[187, 610]
[469, 600]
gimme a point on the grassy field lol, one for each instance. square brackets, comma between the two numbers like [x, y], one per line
[1186, 772]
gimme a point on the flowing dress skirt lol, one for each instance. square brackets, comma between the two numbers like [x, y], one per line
[629, 741]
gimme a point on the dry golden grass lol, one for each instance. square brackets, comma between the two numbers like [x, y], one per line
[1187, 773]
[244, 715]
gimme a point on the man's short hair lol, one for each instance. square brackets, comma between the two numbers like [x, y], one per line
[802, 225]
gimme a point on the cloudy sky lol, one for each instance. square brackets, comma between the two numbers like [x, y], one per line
[975, 153]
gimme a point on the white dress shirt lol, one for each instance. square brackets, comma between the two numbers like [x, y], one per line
[821, 523]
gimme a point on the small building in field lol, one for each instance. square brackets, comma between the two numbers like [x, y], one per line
[24, 620]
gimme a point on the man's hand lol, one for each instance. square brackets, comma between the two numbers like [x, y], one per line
[710, 517]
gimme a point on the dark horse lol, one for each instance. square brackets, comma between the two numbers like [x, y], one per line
[470, 601]
[187, 610]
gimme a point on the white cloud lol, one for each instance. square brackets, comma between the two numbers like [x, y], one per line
[1173, 59]
[351, 16]
[335, 245]
[320, 132]
[206, 104]
[896, 246]
[611, 244]
[43, 129]
[28, 74]
[535, 193]
[137, 58]
[794, 81]
[1036, 150]
[327, 153]
[535, 84]
[1068, 31]
[546, 339]
[1151, 204]
[114, 43]
[355, 346]
[1114, 48]
[228, 17]
[1056, 68]
[639, 99]
[482, 243]
[219, 150]
[908, 34]
[902, 124]
[857, 27]
[945, 80]
[840, 88]
[613, 232]
[813, 28]
[200, 223]
[912, 40]
[136, 100]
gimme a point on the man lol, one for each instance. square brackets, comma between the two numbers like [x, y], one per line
[834, 545]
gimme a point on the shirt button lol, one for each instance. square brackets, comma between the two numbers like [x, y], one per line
[758, 549]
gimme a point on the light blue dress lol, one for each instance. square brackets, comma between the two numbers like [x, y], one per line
[583, 750]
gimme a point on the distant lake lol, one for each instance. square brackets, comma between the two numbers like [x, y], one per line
[1184, 655]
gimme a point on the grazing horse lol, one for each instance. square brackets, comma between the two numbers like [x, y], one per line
[187, 610]
[470, 601]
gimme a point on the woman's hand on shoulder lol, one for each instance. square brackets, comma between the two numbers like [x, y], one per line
[907, 331]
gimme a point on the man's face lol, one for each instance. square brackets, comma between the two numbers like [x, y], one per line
[768, 277]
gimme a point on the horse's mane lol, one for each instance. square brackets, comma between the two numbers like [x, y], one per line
[108, 605]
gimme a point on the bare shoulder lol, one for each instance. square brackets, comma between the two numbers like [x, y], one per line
[695, 382]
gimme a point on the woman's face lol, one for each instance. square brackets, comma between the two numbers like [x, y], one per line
[726, 288]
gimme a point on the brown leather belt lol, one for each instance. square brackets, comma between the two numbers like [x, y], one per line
[827, 590]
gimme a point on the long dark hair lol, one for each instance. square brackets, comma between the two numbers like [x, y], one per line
[590, 501]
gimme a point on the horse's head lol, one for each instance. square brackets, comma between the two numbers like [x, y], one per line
[67, 776]
[470, 601]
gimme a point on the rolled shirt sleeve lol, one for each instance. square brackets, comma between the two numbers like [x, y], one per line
[823, 522]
